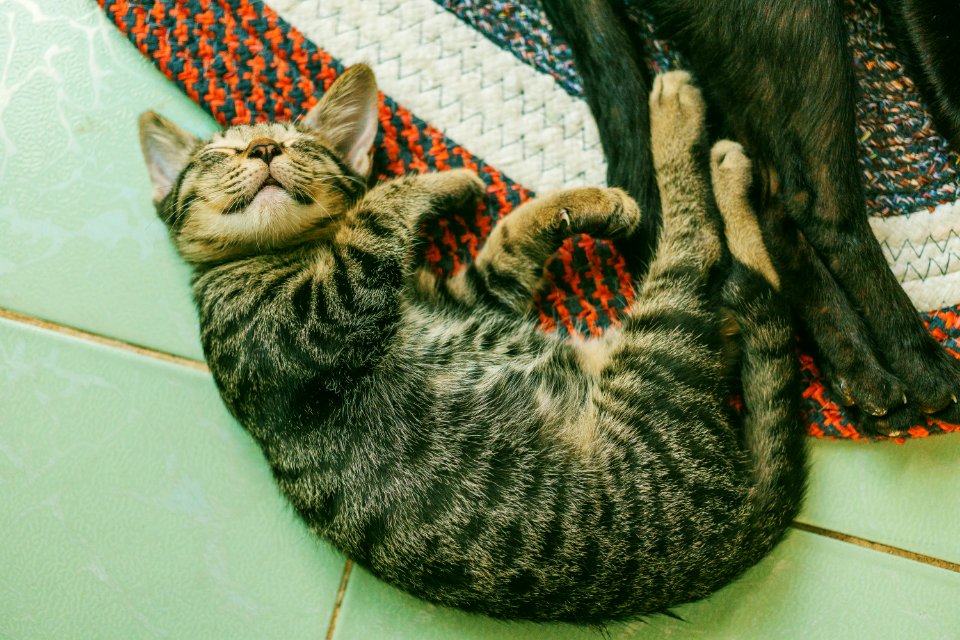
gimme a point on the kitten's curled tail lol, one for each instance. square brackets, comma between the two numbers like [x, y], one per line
[773, 433]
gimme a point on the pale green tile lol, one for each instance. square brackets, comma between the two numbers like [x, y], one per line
[79, 241]
[903, 495]
[134, 507]
[810, 587]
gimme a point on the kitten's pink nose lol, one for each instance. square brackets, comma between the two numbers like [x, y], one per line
[263, 148]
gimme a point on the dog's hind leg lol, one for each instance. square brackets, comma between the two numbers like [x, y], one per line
[928, 33]
[786, 88]
[616, 85]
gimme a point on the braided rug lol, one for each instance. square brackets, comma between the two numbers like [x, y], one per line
[490, 75]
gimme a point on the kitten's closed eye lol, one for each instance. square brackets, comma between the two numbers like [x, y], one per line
[227, 151]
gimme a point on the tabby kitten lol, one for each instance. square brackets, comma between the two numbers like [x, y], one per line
[429, 430]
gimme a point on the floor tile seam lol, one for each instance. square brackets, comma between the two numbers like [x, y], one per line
[878, 546]
[341, 592]
[101, 340]
[113, 343]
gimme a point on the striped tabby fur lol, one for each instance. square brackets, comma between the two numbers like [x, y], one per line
[429, 430]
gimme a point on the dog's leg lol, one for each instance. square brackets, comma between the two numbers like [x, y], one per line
[822, 190]
[786, 88]
[928, 33]
[616, 86]
[843, 345]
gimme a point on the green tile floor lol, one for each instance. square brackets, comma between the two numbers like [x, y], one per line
[134, 507]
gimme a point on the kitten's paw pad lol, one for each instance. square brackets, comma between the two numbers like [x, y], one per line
[730, 172]
[728, 157]
[675, 90]
[677, 112]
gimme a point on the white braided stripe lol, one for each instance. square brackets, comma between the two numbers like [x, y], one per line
[504, 111]
[522, 122]
[923, 250]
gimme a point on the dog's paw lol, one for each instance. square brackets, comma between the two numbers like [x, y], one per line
[932, 377]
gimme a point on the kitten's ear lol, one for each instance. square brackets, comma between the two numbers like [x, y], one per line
[347, 116]
[167, 149]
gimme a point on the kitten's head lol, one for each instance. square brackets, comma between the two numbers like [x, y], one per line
[260, 187]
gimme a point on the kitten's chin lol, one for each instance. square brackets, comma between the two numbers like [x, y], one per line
[269, 197]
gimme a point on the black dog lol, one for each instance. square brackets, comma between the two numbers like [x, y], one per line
[780, 79]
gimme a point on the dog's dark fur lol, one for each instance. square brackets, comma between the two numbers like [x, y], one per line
[779, 78]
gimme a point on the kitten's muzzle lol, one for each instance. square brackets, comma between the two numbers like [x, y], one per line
[263, 148]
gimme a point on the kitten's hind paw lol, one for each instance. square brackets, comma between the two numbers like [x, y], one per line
[730, 172]
[730, 168]
[677, 112]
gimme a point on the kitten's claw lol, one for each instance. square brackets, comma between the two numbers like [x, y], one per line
[605, 213]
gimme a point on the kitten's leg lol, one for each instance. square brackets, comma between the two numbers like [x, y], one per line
[689, 241]
[668, 357]
[731, 174]
[508, 271]
[768, 368]
[675, 288]
[393, 210]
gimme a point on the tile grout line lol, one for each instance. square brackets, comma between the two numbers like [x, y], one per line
[104, 341]
[196, 365]
[344, 579]
[113, 343]
[878, 546]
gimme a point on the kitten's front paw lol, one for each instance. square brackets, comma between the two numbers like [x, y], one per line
[466, 183]
[457, 190]
[605, 213]
[677, 112]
